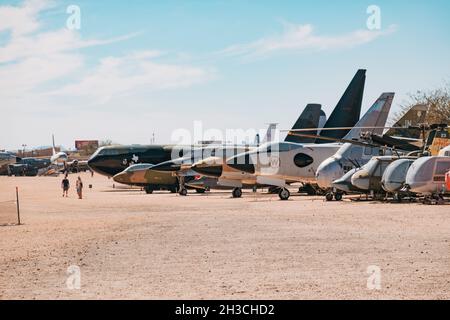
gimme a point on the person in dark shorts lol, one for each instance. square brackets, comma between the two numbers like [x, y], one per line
[65, 185]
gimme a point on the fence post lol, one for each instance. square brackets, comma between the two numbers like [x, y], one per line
[18, 206]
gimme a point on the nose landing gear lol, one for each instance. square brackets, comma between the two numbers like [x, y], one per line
[182, 191]
[284, 194]
[336, 195]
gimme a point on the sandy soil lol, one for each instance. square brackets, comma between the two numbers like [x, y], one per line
[163, 246]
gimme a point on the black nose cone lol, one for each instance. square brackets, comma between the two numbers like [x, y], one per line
[242, 163]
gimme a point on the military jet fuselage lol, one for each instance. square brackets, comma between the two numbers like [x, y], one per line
[112, 160]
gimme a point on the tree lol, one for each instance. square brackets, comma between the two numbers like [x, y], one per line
[105, 143]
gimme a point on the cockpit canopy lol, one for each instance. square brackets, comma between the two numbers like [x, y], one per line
[117, 151]
[273, 147]
[139, 167]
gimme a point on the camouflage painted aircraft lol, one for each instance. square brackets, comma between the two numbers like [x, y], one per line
[170, 174]
[112, 160]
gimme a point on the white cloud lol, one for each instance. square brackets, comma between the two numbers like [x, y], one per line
[22, 20]
[31, 59]
[299, 38]
[117, 76]
[23, 77]
[48, 43]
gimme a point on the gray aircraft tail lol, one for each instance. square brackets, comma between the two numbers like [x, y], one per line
[376, 117]
[309, 118]
[348, 109]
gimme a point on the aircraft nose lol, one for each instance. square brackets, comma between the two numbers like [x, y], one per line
[341, 184]
[242, 163]
[93, 163]
[122, 177]
[361, 180]
[328, 172]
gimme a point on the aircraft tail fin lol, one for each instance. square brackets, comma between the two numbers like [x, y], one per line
[309, 118]
[322, 119]
[348, 109]
[257, 140]
[413, 117]
[53, 144]
[376, 116]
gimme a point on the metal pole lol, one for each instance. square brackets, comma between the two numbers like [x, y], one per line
[18, 206]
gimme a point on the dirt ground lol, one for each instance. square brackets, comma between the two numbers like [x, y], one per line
[129, 245]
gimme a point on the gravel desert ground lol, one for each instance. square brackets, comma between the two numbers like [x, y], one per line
[129, 245]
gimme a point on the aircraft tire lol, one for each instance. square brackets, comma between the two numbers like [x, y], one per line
[183, 192]
[148, 190]
[329, 196]
[237, 193]
[284, 194]
[338, 196]
[200, 190]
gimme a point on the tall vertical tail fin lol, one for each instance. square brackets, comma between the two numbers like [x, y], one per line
[376, 117]
[53, 144]
[348, 109]
[309, 118]
[413, 117]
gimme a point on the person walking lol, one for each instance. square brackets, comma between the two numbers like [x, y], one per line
[80, 188]
[65, 185]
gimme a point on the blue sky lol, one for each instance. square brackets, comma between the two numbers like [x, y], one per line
[139, 67]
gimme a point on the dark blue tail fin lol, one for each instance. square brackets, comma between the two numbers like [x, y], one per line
[347, 111]
[308, 119]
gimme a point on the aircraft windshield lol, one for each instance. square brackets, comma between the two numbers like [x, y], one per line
[278, 147]
[137, 167]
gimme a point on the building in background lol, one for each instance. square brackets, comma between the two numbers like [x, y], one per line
[86, 147]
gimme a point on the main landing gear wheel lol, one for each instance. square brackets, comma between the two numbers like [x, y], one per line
[183, 192]
[338, 196]
[284, 194]
[200, 190]
[237, 192]
[329, 196]
[148, 190]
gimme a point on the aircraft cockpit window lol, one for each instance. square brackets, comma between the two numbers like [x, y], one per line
[283, 147]
[275, 147]
[138, 167]
[295, 147]
[109, 152]
[442, 167]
